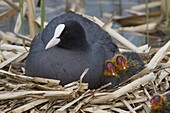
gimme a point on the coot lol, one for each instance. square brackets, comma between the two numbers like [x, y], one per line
[120, 62]
[122, 66]
[110, 69]
[68, 45]
[160, 104]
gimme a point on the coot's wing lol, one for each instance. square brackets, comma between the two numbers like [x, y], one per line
[37, 44]
[34, 56]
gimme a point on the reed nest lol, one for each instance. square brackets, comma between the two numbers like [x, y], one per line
[19, 93]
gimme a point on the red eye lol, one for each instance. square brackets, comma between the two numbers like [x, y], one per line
[65, 33]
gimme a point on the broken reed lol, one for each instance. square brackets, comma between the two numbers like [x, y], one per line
[21, 3]
[167, 17]
[147, 20]
[42, 14]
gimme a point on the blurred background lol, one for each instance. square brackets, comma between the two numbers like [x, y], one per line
[127, 17]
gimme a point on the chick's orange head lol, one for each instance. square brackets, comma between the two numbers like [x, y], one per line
[156, 102]
[109, 69]
[120, 62]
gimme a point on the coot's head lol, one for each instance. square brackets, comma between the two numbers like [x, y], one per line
[68, 35]
[109, 69]
[120, 62]
[157, 103]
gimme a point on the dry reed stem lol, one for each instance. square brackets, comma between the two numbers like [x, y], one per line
[123, 90]
[143, 6]
[34, 79]
[140, 28]
[117, 36]
[114, 34]
[43, 94]
[9, 37]
[18, 21]
[31, 18]
[8, 47]
[95, 110]
[12, 4]
[134, 12]
[38, 21]
[7, 14]
[83, 74]
[140, 100]
[119, 110]
[153, 62]
[73, 102]
[58, 94]
[128, 106]
[138, 107]
[29, 106]
[25, 38]
[158, 56]
[3, 64]
[3, 4]
[84, 101]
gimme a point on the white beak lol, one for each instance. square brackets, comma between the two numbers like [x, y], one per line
[55, 40]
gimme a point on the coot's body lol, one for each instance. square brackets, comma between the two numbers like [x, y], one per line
[79, 44]
[88, 47]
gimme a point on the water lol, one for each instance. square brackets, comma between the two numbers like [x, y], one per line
[98, 8]
[92, 7]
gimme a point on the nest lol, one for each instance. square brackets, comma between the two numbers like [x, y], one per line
[21, 93]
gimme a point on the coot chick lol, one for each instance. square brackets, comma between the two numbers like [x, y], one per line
[128, 63]
[110, 69]
[120, 62]
[68, 45]
[124, 65]
[160, 103]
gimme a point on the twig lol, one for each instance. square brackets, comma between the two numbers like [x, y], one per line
[123, 90]
[86, 100]
[153, 62]
[128, 106]
[143, 6]
[7, 14]
[31, 18]
[12, 4]
[29, 106]
[158, 56]
[22, 94]
[114, 34]
[73, 102]
[3, 64]
[18, 21]
[34, 79]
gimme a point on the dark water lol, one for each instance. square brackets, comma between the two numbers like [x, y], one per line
[92, 7]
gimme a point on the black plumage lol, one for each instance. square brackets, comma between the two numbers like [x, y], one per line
[83, 45]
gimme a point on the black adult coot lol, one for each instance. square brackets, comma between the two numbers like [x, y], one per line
[68, 45]
[160, 103]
